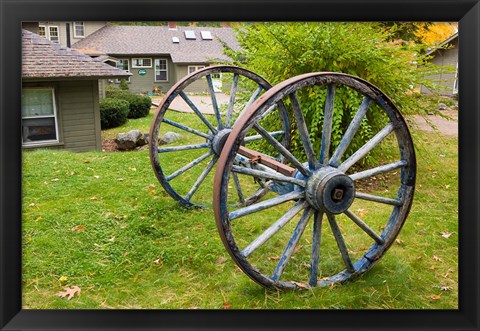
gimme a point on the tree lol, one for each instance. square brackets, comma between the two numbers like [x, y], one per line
[278, 51]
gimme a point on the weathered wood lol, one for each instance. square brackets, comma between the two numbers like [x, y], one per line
[188, 166]
[186, 128]
[231, 102]
[182, 148]
[253, 97]
[290, 248]
[340, 243]
[201, 178]
[327, 125]
[238, 187]
[198, 112]
[369, 197]
[362, 225]
[214, 102]
[316, 240]
[255, 157]
[378, 170]
[268, 175]
[258, 136]
[265, 204]
[350, 133]
[274, 228]
[365, 149]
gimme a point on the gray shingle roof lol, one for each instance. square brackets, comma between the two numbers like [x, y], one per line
[42, 58]
[157, 40]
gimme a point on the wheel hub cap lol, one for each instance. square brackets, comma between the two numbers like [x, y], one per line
[330, 190]
[219, 140]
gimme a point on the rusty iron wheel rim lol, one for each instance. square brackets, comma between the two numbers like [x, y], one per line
[395, 221]
[213, 143]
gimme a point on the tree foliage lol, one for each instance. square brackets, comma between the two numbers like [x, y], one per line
[278, 51]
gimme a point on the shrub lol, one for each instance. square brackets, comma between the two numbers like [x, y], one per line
[123, 85]
[113, 112]
[139, 105]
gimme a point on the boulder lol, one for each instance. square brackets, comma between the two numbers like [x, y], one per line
[168, 138]
[442, 106]
[130, 140]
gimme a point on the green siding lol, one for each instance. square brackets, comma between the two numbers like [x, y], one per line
[447, 58]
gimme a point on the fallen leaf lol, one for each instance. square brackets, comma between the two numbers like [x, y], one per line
[445, 288]
[445, 235]
[447, 186]
[63, 278]
[70, 292]
[120, 179]
[93, 198]
[87, 161]
[55, 180]
[398, 241]
[96, 176]
[132, 168]
[301, 285]
[40, 218]
[432, 267]
[31, 205]
[274, 258]
[227, 305]
[435, 297]
[78, 228]
[221, 259]
[297, 249]
[436, 258]
[158, 262]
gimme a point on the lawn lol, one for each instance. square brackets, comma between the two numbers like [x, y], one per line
[102, 222]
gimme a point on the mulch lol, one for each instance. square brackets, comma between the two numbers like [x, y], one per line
[109, 146]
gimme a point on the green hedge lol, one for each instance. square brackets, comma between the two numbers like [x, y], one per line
[113, 112]
[139, 105]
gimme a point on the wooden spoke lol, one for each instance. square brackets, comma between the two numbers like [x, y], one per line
[258, 136]
[362, 225]
[327, 125]
[268, 175]
[303, 130]
[197, 111]
[183, 148]
[387, 201]
[316, 239]
[290, 248]
[265, 204]
[214, 102]
[274, 228]
[378, 170]
[201, 178]
[253, 97]
[285, 152]
[236, 182]
[340, 243]
[365, 149]
[231, 102]
[350, 133]
[186, 128]
[188, 166]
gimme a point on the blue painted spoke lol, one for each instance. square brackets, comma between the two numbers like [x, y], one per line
[265, 204]
[378, 170]
[186, 128]
[182, 148]
[316, 239]
[290, 248]
[374, 198]
[350, 133]
[327, 125]
[268, 174]
[254, 96]
[197, 111]
[257, 136]
[362, 225]
[188, 166]
[214, 102]
[231, 102]
[340, 243]
[238, 188]
[274, 228]
[201, 178]
[303, 130]
[280, 148]
[365, 149]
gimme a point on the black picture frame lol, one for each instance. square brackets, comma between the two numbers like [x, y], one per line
[13, 12]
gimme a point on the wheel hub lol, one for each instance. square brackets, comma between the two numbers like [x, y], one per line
[330, 190]
[219, 140]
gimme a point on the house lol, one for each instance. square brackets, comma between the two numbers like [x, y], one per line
[68, 33]
[446, 55]
[60, 96]
[159, 56]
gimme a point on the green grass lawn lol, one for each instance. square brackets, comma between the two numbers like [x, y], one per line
[102, 222]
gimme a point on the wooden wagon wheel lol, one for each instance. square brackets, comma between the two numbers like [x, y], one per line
[205, 130]
[277, 241]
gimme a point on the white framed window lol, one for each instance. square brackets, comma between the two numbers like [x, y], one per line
[78, 30]
[194, 68]
[161, 70]
[141, 63]
[52, 33]
[39, 116]
[455, 82]
[123, 64]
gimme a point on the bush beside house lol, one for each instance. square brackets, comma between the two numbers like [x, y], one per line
[138, 105]
[113, 112]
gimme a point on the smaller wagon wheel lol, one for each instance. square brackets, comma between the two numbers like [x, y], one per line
[337, 219]
[184, 167]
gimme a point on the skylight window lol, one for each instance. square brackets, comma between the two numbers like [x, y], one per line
[175, 40]
[206, 35]
[190, 34]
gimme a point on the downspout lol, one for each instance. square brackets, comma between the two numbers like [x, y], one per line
[68, 34]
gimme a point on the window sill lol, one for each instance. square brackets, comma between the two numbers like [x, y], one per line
[41, 145]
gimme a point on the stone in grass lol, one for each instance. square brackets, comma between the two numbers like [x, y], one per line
[442, 106]
[168, 138]
[130, 140]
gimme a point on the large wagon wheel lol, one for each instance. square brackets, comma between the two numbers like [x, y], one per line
[326, 184]
[204, 131]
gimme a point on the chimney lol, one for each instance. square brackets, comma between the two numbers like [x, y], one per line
[172, 25]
